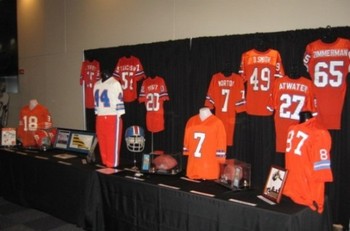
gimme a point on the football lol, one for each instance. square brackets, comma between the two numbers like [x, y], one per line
[164, 162]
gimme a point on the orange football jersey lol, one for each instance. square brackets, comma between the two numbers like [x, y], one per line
[30, 121]
[329, 65]
[129, 71]
[227, 96]
[205, 146]
[259, 70]
[290, 97]
[154, 93]
[308, 163]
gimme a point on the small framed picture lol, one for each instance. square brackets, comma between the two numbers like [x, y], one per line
[275, 183]
[8, 136]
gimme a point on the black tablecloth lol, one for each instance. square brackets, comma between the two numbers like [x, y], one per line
[75, 192]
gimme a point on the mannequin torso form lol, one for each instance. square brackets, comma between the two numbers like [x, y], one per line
[204, 113]
[33, 103]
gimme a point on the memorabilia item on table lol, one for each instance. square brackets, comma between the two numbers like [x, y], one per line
[109, 107]
[89, 75]
[259, 70]
[226, 95]
[154, 93]
[128, 71]
[274, 184]
[163, 164]
[135, 141]
[8, 137]
[205, 145]
[34, 120]
[328, 63]
[235, 175]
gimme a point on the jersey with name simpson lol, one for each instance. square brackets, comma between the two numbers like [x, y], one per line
[259, 70]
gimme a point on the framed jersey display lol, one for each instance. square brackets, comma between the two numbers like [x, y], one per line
[275, 183]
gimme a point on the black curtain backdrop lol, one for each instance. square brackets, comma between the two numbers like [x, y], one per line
[187, 67]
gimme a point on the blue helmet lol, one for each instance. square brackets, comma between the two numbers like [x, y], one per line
[135, 138]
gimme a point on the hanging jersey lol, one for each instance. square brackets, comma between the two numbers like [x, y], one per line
[205, 146]
[227, 96]
[308, 163]
[153, 93]
[31, 121]
[89, 75]
[290, 97]
[129, 71]
[108, 97]
[259, 70]
[329, 65]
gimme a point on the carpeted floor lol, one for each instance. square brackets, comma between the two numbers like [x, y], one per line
[17, 218]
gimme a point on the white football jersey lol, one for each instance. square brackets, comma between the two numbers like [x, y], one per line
[108, 97]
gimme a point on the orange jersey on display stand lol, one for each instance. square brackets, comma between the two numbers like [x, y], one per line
[259, 70]
[205, 146]
[227, 96]
[154, 93]
[308, 163]
[329, 65]
[30, 121]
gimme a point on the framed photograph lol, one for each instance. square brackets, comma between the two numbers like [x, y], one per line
[62, 139]
[8, 136]
[275, 183]
[82, 141]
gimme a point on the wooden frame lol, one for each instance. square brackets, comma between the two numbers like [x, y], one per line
[275, 183]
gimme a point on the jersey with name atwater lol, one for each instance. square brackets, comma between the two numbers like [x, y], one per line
[290, 97]
[89, 75]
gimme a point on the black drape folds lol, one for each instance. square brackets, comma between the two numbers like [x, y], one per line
[187, 67]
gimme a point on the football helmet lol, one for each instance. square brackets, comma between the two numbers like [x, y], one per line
[135, 138]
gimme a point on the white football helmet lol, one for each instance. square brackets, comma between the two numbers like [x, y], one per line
[135, 138]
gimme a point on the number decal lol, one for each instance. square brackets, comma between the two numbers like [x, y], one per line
[30, 123]
[152, 103]
[328, 74]
[102, 98]
[127, 82]
[226, 94]
[260, 81]
[301, 136]
[200, 137]
[287, 101]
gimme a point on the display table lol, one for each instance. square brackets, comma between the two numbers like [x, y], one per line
[75, 192]
[67, 189]
[171, 203]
